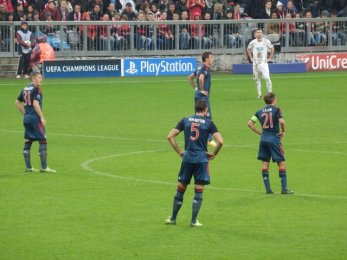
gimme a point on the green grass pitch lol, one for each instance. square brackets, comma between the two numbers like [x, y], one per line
[117, 173]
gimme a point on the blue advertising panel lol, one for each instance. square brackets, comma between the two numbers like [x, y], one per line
[81, 68]
[159, 66]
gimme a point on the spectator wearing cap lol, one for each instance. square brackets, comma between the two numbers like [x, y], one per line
[25, 40]
[280, 11]
[129, 12]
[123, 4]
[194, 7]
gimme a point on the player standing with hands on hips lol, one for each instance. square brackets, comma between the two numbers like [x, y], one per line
[257, 51]
[273, 130]
[203, 90]
[29, 103]
[195, 158]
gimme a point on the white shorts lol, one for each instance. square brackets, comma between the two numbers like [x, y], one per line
[261, 70]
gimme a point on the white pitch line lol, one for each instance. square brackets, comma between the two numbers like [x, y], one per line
[86, 166]
[127, 82]
[164, 141]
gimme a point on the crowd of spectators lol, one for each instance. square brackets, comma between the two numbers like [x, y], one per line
[189, 37]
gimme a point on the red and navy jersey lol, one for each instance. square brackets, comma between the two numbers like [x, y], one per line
[205, 70]
[27, 96]
[196, 130]
[269, 119]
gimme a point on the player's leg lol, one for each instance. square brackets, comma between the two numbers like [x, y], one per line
[211, 142]
[26, 154]
[278, 156]
[184, 177]
[201, 178]
[264, 154]
[256, 77]
[266, 177]
[266, 75]
[197, 201]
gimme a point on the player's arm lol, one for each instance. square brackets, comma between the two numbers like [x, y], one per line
[171, 138]
[19, 106]
[250, 55]
[251, 125]
[202, 84]
[272, 51]
[219, 140]
[283, 127]
[191, 78]
[37, 109]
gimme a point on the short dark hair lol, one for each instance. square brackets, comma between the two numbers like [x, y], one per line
[269, 98]
[200, 106]
[205, 55]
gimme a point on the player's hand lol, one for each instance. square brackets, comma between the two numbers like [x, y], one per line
[210, 156]
[281, 135]
[181, 154]
[205, 93]
[43, 121]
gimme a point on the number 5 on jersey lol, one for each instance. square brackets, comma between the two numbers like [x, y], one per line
[194, 129]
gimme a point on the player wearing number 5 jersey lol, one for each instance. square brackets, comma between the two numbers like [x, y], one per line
[195, 158]
[29, 103]
[273, 130]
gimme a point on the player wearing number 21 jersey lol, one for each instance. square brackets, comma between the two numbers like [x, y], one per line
[29, 103]
[195, 158]
[273, 129]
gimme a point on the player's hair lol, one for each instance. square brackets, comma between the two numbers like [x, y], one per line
[200, 106]
[269, 98]
[34, 74]
[205, 55]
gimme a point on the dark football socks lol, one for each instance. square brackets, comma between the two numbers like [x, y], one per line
[177, 203]
[196, 204]
[283, 176]
[266, 180]
[43, 154]
[26, 154]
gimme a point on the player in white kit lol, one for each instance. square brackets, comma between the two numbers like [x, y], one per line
[257, 51]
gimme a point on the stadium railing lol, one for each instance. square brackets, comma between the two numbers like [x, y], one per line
[120, 38]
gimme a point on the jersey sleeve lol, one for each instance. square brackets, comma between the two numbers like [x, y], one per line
[213, 128]
[278, 113]
[180, 125]
[35, 95]
[20, 97]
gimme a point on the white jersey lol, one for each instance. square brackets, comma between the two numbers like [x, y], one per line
[260, 50]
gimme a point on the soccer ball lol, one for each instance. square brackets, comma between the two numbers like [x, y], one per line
[28, 42]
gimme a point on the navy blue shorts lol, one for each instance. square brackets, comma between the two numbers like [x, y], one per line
[33, 129]
[200, 171]
[268, 150]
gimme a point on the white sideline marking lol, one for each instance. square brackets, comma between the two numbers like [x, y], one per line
[164, 141]
[127, 82]
[86, 166]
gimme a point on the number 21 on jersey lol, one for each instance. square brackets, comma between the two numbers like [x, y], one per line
[268, 123]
